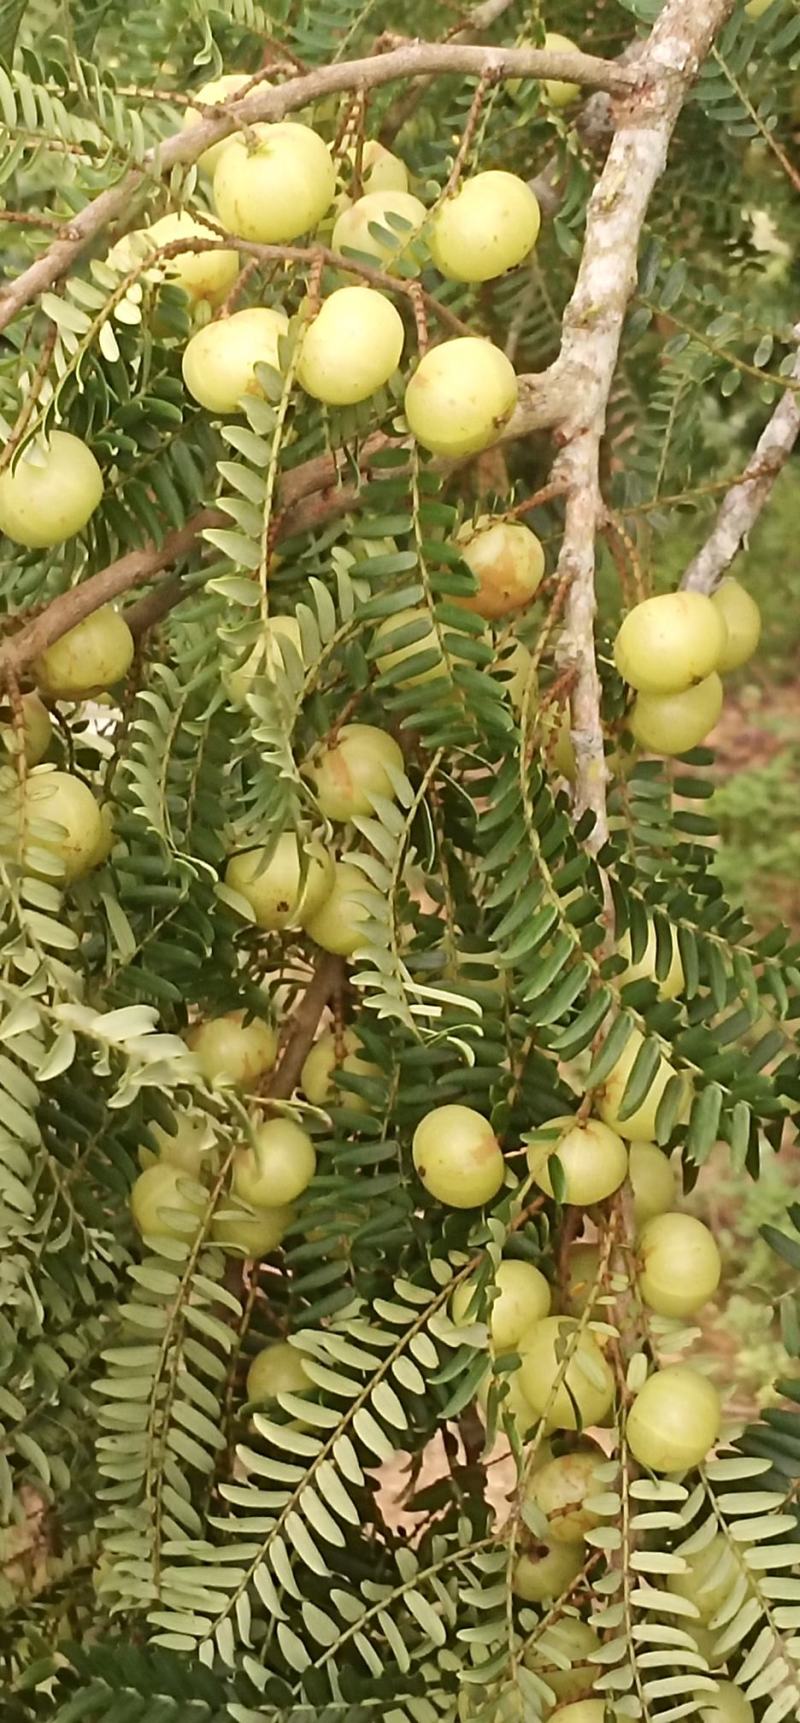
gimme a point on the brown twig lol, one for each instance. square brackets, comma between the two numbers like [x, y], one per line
[484, 83]
[742, 505]
[71, 607]
[327, 979]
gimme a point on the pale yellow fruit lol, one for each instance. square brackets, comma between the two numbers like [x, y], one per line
[66, 802]
[458, 1157]
[585, 1382]
[36, 732]
[221, 89]
[278, 189]
[586, 1710]
[278, 893]
[254, 1235]
[673, 723]
[50, 492]
[673, 982]
[583, 1268]
[167, 1203]
[338, 924]
[742, 619]
[522, 1298]
[352, 229]
[232, 1050]
[219, 363]
[559, 94]
[639, 1127]
[560, 1490]
[674, 1420]
[427, 641]
[757, 8]
[487, 227]
[708, 1580]
[278, 1167]
[187, 1147]
[201, 274]
[653, 1181]
[668, 642]
[267, 657]
[573, 1642]
[508, 562]
[351, 348]
[547, 1571]
[317, 1075]
[279, 1369]
[460, 396]
[348, 774]
[679, 1264]
[92, 656]
[729, 1704]
[380, 169]
[593, 1158]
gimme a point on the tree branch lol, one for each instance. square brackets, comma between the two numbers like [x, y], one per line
[71, 607]
[667, 65]
[326, 980]
[273, 104]
[742, 504]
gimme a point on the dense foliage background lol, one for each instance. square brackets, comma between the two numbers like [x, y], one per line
[164, 1552]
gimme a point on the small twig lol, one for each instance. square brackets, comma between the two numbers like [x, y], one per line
[484, 83]
[545, 494]
[621, 544]
[29, 218]
[742, 505]
[237, 289]
[316, 256]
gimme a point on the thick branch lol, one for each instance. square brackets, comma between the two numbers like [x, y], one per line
[71, 607]
[274, 103]
[742, 504]
[328, 977]
[593, 322]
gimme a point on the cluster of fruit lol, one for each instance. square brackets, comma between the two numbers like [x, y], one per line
[461, 1163]
[562, 1382]
[671, 650]
[269, 187]
[726, 1704]
[268, 1172]
[61, 814]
